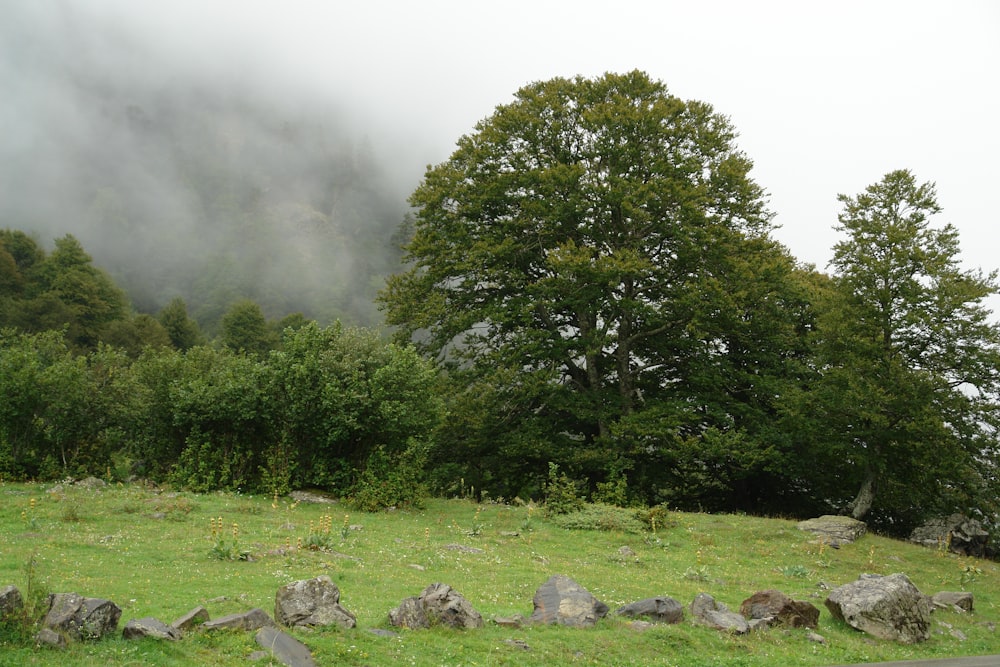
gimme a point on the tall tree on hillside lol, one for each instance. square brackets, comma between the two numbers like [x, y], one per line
[593, 265]
[244, 329]
[183, 331]
[907, 401]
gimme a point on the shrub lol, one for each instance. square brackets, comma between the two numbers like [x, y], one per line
[598, 516]
[561, 493]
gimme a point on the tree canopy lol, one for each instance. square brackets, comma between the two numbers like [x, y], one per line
[597, 254]
[904, 405]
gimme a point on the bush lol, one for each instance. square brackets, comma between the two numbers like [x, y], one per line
[390, 482]
[561, 493]
[598, 516]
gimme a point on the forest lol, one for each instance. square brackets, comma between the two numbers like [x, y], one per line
[585, 295]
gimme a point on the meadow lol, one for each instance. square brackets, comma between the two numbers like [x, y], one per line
[157, 552]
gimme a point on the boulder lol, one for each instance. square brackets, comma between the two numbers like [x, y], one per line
[660, 609]
[284, 648]
[776, 608]
[248, 620]
[80, 618]
[958, 533]
[410, 614]
[311, 602]
[137, 628]
[706, 610]
[560, 600]
[957, 600]
[888, 607]
[438, 604]
[51, 638]
[197, 615]
[11, 601]
[834, 530]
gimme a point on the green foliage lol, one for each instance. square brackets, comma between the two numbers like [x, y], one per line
[903, 415]
[599, 516]
[345, 394]
[244, 329]
[182, 330]
[596, 249]
[21, 625]
[390, 481]
[62, 290]
[562, 494]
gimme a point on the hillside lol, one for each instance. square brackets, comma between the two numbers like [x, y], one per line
[153, 553]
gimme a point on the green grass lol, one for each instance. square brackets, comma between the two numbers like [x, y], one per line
[154, 554]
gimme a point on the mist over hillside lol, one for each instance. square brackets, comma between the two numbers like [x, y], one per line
[194, 178]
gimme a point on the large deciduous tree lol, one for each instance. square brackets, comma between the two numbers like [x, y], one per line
[593, 264]
[906, 404]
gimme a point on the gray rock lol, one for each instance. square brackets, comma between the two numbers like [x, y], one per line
[706, 610]
[197, 615]
[311, 602]
[957, 600]
[248, 620]
[438, 604]
[309, 497]
[137, 628]
[91, 483]
[51, 638]
[834, 530]
[815, 638]
[80, 618]
[515, 621]
[660, 609]
[409, 614]
[284, 648]
[463, 549]
[956, 533]
[379, 632]
[11, 601]
[776, 608]
[885, 607]
[560, 600]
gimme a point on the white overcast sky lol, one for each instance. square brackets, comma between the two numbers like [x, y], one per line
[827, 96]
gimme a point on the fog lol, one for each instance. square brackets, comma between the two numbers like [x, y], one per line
[196, 173]
[217, 149]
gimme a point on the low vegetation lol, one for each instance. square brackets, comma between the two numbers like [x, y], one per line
[157, 552]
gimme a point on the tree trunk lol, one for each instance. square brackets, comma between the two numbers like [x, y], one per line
[862, 503]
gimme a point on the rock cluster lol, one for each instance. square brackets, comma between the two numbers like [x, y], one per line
[887, 607]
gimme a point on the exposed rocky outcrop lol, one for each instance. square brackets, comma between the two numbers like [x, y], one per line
[659, 609]
[957, 533]
[81, 618]
[139, 628]
[775, 608]
[248, 620]
[560, 600]
[284, 648]
[706, 610]
[197, 615]
[312, 602]
[956, 600]
[834, 530]
[888, 607]
[438, 604]
[11, 601]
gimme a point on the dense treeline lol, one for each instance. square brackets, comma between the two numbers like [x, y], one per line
[333, 408]
[592, 300]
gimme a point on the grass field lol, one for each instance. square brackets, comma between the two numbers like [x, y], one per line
[160, 553]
